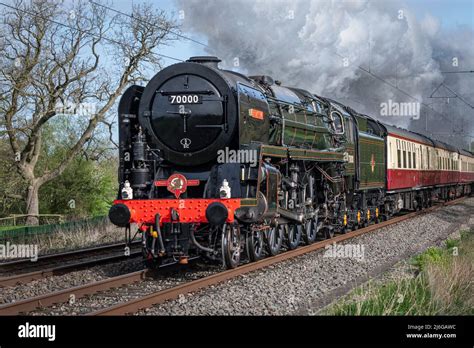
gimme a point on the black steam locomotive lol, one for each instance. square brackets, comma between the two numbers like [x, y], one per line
[217, 164]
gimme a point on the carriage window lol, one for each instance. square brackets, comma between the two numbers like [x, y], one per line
[414, 160]
[409, 159]
[404, 159]
[399, 155]
[422, 165]
[428, 156]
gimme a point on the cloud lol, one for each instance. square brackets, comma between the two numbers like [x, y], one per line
[322, 45]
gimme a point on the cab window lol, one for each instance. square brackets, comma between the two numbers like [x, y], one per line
[337, 122]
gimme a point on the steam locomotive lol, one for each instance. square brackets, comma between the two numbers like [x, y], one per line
[231, 167]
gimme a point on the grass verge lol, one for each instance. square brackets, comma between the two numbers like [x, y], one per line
[71, 239]
[442, 284]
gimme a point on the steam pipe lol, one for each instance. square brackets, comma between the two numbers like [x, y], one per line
[158, 230]
[196, 243]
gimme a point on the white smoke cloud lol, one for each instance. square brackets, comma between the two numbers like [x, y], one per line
[320, 45]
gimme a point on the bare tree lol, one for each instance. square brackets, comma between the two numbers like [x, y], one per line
[72, 59]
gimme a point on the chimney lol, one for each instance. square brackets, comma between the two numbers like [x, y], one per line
[210, 61]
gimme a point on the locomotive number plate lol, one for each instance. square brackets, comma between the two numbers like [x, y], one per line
[185, 99]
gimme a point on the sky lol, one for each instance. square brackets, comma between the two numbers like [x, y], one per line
[182, 49]
[450, 13]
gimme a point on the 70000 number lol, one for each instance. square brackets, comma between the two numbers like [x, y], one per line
[185, 99]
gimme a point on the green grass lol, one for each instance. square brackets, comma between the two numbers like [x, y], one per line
[406, 297]
[8, 228]
[432, 256]
[443, 285]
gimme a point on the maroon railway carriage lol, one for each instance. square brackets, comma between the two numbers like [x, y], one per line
[420, 169]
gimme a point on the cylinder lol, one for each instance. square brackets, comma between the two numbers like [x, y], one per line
[140, 177]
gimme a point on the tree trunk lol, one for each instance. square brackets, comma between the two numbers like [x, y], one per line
[32, 206]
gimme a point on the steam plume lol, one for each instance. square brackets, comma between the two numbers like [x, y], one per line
[309, 43]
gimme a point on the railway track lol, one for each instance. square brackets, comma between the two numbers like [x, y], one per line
[71, 294]
[134, 305]
[159, 297]
[24, 271]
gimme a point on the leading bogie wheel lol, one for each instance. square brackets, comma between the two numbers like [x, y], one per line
[231, 245]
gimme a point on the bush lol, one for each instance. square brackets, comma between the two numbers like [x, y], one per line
[430, 256]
